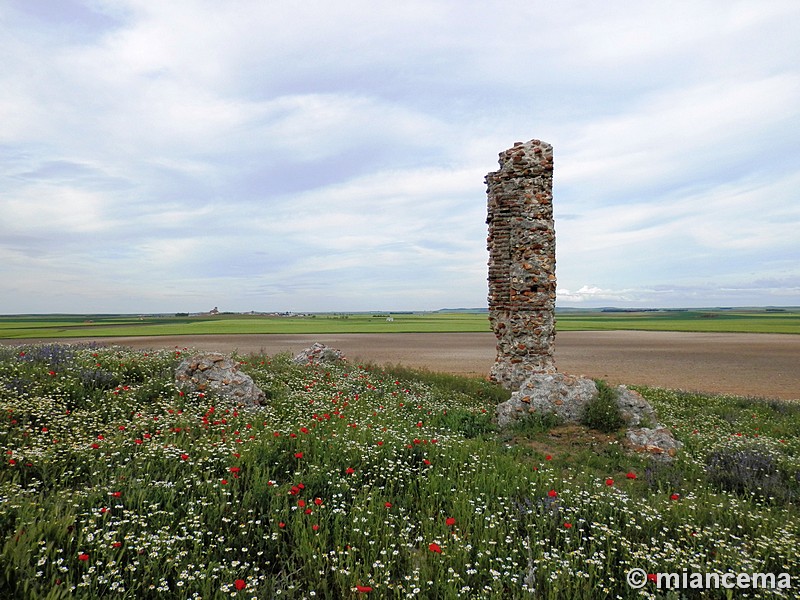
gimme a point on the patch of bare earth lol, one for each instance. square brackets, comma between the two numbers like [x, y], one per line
[562, 438]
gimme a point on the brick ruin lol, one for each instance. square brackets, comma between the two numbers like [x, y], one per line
[522, 261]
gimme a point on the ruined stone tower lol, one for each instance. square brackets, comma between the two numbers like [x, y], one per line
[522, 262]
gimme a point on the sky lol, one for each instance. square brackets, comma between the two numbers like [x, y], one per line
[330, 156]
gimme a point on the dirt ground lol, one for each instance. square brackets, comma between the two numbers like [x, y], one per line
[766, 365]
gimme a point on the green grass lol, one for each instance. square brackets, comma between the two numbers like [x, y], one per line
[115, 485]
[70, 326]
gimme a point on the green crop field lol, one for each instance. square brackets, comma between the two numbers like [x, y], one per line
[71, 326]
[715, 321]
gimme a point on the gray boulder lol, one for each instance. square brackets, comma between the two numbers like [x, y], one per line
[544, 393]
[213, 371]
[319, 353]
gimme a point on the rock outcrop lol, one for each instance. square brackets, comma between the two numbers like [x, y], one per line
[215, 372]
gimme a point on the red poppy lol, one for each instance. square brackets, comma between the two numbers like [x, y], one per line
[83, 556]
[552, 493]
[184, 457]
[317, 501]
[350, 470]
[364, 589]
[450, 521]
[116, 494]
[281, 524]
[224, 482]
[434, 547]
[388, 505]
[426, 461]
[301, 503]
[298, 455]
[567, 525]
[609, 481]
[631, 475]
[315, 527]
[235, 469]
[548, 457]
[240, 584]
[674, 497]
[116, 545]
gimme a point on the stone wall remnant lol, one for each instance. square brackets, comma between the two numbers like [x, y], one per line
[522, 260]
[522, 303]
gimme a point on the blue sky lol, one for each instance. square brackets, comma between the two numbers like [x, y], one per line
[329, 156]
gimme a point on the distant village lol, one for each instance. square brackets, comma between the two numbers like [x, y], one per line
[215, 311]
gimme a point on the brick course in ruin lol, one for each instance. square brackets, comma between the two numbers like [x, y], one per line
[522, 261]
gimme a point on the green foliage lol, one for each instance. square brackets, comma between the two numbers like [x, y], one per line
[480, 389]
[602, 412]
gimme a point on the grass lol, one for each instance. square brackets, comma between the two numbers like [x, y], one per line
[358, 478]
[711, 321]
[71, 326]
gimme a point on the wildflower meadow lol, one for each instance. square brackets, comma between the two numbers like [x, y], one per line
[357, 481]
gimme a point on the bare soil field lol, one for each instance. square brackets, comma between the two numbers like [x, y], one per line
[765, 365]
